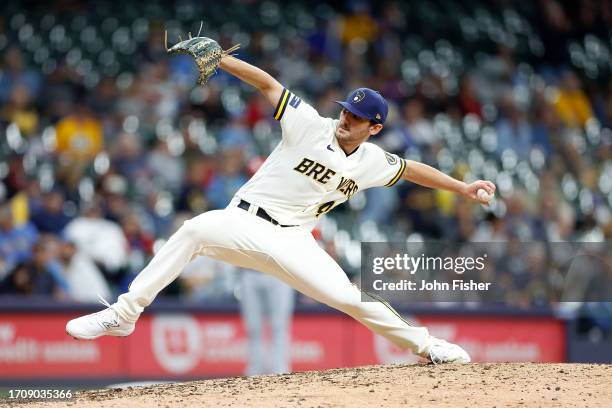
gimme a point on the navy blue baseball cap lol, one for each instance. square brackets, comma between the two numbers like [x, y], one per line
[366, 103]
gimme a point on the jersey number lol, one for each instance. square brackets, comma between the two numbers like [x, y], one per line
[325, 208]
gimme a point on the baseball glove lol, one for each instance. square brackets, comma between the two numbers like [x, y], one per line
[206, 52]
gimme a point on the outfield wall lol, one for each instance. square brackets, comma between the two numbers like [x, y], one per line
[185, 341]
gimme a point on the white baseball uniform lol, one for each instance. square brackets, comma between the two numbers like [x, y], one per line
[305, 176]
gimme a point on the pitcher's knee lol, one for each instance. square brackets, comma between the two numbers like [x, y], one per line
[200, 228]
[348, 304]
[190, 231]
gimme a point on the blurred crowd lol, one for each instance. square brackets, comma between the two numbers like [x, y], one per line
[107, 149]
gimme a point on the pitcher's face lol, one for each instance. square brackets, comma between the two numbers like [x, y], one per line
[355, 129]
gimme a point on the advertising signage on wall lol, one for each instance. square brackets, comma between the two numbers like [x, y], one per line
[211, 345]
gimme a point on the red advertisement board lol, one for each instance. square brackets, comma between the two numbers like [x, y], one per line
[216, 345]
[36, 346]
[206, 345]
[486, 339]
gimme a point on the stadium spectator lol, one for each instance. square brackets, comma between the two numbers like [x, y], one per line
[359, 25]
[113, 190]
[127, 156]
[571, 102]
[554, 28]
[192, 197]
[98, 238]
[79, 135]
[546, 124]
[14, 74]
[166, 166]
[85, 281]
[20, 110]
[140, 242]
[468, 97]
[228, 179]
[158, 212]
[16, 241]
[40, 275]
[514, 131]
[418, 127]
[51, 217]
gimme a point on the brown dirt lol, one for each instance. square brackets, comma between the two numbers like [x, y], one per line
[472, 385]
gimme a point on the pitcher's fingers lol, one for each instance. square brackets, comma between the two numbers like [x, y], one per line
[488, 187]
[481, 184]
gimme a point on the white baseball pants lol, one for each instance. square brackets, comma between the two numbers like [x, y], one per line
[291, 254]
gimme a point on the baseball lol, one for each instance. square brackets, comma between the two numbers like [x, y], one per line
[483, 195]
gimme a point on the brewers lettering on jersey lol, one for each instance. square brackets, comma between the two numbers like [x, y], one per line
[318, 164]
[308, 173]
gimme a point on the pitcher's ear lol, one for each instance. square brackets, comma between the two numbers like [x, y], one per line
[375, 129]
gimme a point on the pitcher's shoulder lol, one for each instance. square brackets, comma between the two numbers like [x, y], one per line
[372, 151]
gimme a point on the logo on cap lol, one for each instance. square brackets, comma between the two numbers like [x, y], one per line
[378, 116]
[359, 95]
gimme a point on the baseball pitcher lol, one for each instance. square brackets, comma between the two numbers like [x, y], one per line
[319, 164]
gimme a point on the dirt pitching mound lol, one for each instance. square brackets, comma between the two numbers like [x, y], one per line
[472, 385]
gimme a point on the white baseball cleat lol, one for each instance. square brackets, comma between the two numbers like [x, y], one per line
[440, 351]
[104, 323]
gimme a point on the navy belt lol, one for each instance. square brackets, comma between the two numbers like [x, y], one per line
[261, 213]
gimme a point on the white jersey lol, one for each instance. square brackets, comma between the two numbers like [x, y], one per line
[308, 173]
